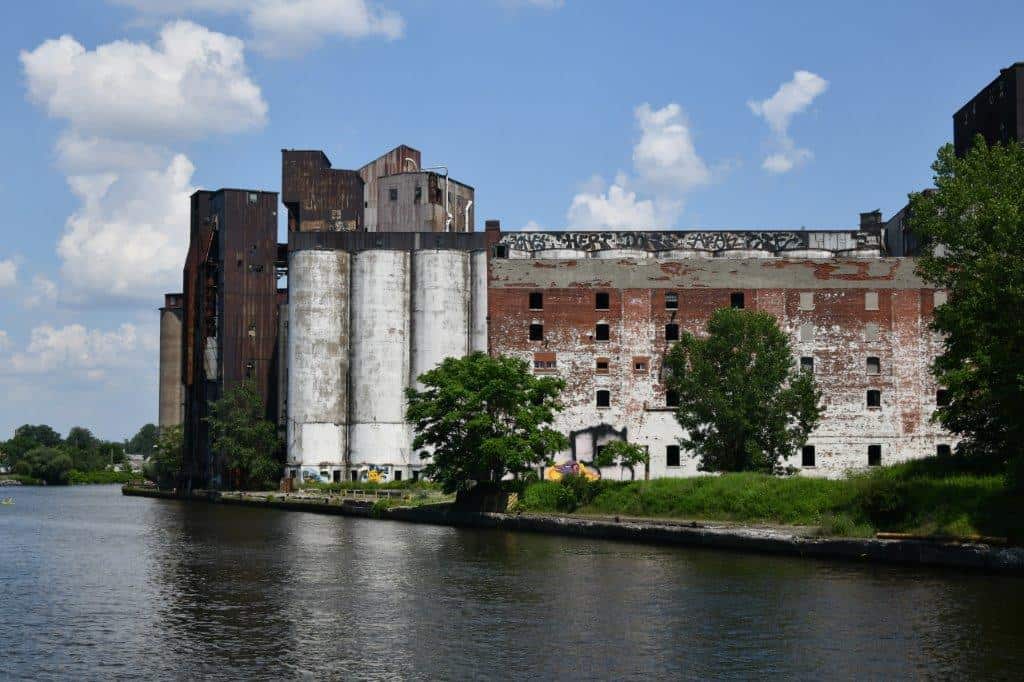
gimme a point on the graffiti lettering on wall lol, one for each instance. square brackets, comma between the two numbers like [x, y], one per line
[699, 241]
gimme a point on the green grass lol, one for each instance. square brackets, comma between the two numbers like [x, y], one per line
[951, 496]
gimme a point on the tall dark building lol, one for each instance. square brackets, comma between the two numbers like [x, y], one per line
[997, 112]
[230, 315]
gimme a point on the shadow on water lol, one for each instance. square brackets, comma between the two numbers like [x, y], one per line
[94, 585]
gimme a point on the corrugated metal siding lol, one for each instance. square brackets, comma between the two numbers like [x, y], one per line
[407, 241]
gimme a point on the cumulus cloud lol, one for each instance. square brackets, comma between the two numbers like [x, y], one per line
[8, 273]
[75, 348]
[286, 27]
[666, 169]
[778, 111]
[124, 102]
[43, 292]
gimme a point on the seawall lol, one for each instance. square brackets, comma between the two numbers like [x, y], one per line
[971, 556]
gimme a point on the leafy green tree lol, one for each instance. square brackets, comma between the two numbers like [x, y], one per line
[623, 454]
[164, 467]
[245, 440]
[27, 437]
[742, 402]
[81, 438]
[50, 464]
[480, 417]
[972, 226]
[144, 440]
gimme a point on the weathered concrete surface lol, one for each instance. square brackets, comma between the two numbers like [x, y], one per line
[775, 540]
[172, 390]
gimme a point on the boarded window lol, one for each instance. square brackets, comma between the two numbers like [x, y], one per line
[601, 366]
[253, 198]
[874, 455]
[671, 399]
[874, 398]
[604, 398]
[870, 300]
[940, 298]
[601, 300]
[536, 301]
[806, 332]
[672, 456]
[807, 363]
[874, 365]
[807, 456]
[544, 362]
[672, 332]
[393, 194]
[871, 332]
[942, 397]
[806, 300]
[736, 299]
[536, 332]
[671, 301]
[602, 332]
[943, 450]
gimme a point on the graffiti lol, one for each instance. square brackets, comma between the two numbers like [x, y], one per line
[559, 471]
[697, 241]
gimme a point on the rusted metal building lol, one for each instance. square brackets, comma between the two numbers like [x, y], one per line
[230, 315]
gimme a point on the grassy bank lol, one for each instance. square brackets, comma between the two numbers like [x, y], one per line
[930, 497]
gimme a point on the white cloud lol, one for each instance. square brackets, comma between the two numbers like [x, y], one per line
[8, 273]
[531, 226]
[74, 347]
[124, 102]
[193, 82]
[665, 157]
[667, 168]
[44, 291]
[286, 27]
[778, 110]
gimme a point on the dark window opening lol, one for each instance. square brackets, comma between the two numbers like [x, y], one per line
[672, 332]
[536, 301]
[336, 477]
[500, 251]
[671, 301]
[942, 397]
[807, 363]
[393, 194]
[943, 450]
[544, 365]
[602, 301]
[602, 367]
[398, 475]
[874, 365]
[417, 197]
[807, 456]
[874, 455]
[602, 332]
[736, 299]
[416, 475]
[639, 365]
[354, 474]
[604, 398]
[536, 332]
[874, 398]
[671, 398]
[672, 455]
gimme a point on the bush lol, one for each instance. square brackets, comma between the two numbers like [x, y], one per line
[883, 499]
[105, 476]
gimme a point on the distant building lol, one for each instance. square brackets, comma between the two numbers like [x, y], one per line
[172, 391]
[996, 112]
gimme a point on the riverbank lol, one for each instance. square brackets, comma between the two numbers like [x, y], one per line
[792, 541]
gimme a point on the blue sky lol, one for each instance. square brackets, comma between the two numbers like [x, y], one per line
[575, 113]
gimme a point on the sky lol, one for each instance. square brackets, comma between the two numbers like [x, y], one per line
[561, 113]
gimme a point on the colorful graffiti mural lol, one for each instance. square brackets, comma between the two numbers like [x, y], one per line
[558, 471]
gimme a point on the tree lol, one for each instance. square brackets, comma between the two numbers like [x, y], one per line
[623, 454]
[143, 441]
[482, 417]
[50, 464]
[27, 437]
[164, 466]
[81, 438]
[972, 228]
[246, 442]
[742, 402]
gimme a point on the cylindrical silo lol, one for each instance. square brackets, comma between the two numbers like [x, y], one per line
[441, 308]
[478, 284]
[172, 392]
[318, 359]
[379, 369]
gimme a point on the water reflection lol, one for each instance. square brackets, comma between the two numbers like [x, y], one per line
[95, 585]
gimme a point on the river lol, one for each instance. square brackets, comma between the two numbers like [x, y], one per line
[94, 585]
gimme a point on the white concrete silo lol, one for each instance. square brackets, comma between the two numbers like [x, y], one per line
[441, 305]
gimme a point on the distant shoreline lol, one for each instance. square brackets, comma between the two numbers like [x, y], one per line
[780, 541]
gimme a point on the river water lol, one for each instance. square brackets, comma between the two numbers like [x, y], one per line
[94, 585]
